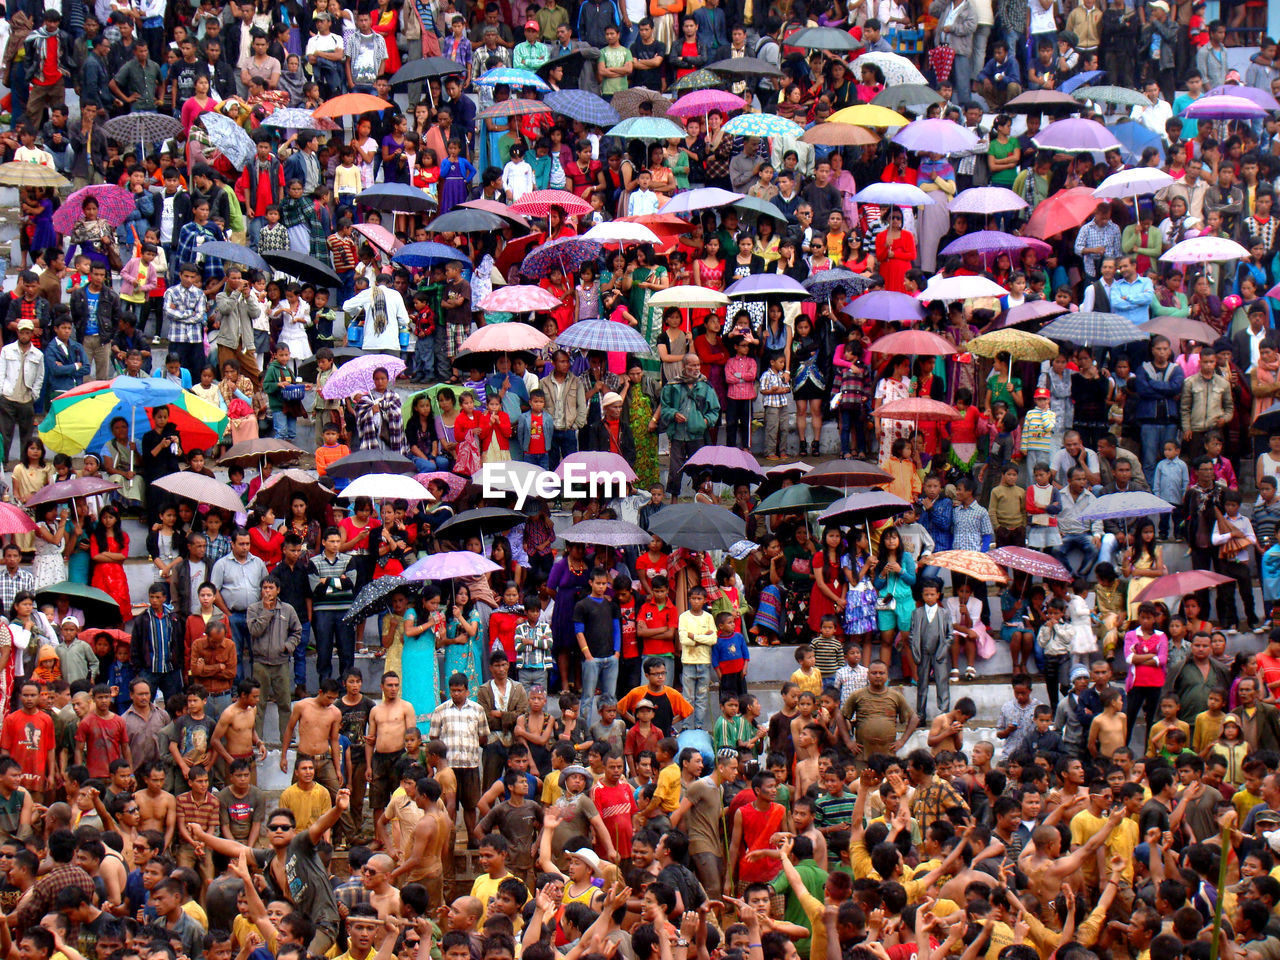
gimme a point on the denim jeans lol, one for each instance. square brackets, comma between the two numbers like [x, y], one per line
[428, 465]
[531, 677]
[563, 443]
[424, 360]
[1078, 543]
[331, 631]
[602, 672]
[244, 646]
[168, 683]
[285, 427]
[300, 657]
[216, 703]
[1154, 437]
[696, 682]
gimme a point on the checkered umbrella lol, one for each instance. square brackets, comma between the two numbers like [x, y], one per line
[114, 204]
[605, 335]
[567, 253]
[583, 106]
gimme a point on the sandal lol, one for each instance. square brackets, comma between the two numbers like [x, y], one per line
[955, 675]
[970, 674]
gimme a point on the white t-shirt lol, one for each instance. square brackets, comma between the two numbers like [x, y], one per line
[637, 10]
[1042, 20]
[321, 44]
[366, 169]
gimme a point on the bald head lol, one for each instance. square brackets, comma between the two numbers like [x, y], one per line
[465, 913]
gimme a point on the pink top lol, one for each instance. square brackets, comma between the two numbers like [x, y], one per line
[740, 378]
[192, 110]
[1145, 674]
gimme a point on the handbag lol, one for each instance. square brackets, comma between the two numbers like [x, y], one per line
[889, 603]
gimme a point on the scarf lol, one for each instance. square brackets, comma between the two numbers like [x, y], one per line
[379, 301]
[1267, 373]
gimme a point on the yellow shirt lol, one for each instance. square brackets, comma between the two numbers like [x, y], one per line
[484, 888]
[668, 790]
[1122, 842]
[308, 806]
[1163, 726]
[808, 682]
[551, 790]
[346, 180]
[1208, 730]
[241, 926]
[1244, 801]
[196, 913]
[1083, 826]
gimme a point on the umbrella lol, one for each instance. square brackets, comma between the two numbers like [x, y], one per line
[70, 490]
[1019, 344]
[234, 253]
[986, 200]
[582, 106]
[415, 70]
[23, 174]
[886, 306]
[1121, 506]
[351, 103]
[538, 203]
[1180, 328]
[356, 376]
[1181, 584]
[1075, 135]
[1261, 97]
[303, 267]
[697, 526]
[605, 335]
[512, 476]
[498, 209]
[463, 220]
[1041, 101]
[689, 297]
[571, 62]
[646, 128]
[839, 135]
[1032, 310]
[960, 288]
[969, 563]
[702, 79]
[1134, 182]
[518, 298]
[1225, 108]
[596, 465]
[905, 95]
[13, 519]
[380, 237]
[196, 486]
[385, 486]
[919, 409]
[451, 564]
[1065, 210]
[114, 205]
[699, 103]
[1134, 139]
[666, 225]
[797, 498]
[619, 232]
[893, 194]
[502, 337]
[826, 282]
[745, 67]
[296, 118]
[455, 483]
[1071, 84]
[281, 487]
[773, 476]
[307, 368]
[480, 522]
[985, 241]
[936, 136]
[1205, 250]
[375, 597]
[913, 342]
[823, 38]
[1030, 561]
[1115, 96]
[229, 137]
[513, 108]
[143, 127]
[1092, 329]
[760, 208]
[396, 197]
[729, 465]
[98, 605]
[607, 533]
[567, 253]
[426, 253]
[251, 453]
[627, 103]
[763, 125]
[846, 473]
[700, 198]
[370, 461]
[897, 70]
[777, 285]
[512, 77]
[863, 506]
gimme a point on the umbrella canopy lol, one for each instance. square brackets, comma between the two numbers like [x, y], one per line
[688, 296]
[201, 489]
[886, 306]
[142, 127]
[596, 465]
[913, 343]
[777, 285]
[451, 564]
[846, 473]
[1032, 310]
[80, 419]
[1092, 329]
[385, 486]
[1042, 101]
[296, 118]
[582, 106]
[13, 519]
[1071, 84]
[1261, 97]
[1113, 95]
[1225, 108]
[1033, 562]
[1134, 182]
[303, 267]
[960, 288]
[114, 205]
[370, 461]
[868, 115]
[391, 197]
[986, 200]
[567, 253]
[745, 67]
[497, 209]
[99, 606]
[698, 526]
[379, 236]
[605, 335]
[826, 282]
[351, 103]
[482, 521]
[505, 336]
[646, 128]
[701, 79]
[356, 376]
[760, 208]
[426, 253]
[1120, 506]
[1134, 139]
[893, 194]
[518, 298]
[618, 232]
[1180, 328]
[511, 476]
[1019, 344]
[1181, 584]
[839, 135]
[452, 481]
[775, 475]
[607, 533]
[415, 70]
[70, 490]
[700, 198]
[307, 368]
[985, 241]
[538, 203]
[23, 174]
[283, 485]
[730, 465]
[1075, 135]
[1205, 250]
[969, 563]
[229, 137]
[797, 498]
[251, 453]
[512, 77]
[763, 125]
[628, 103]
[897, 70]
[905, 95]
[863, 506]
[698, 103]
[823, 38]
[1065, 210]
[374, 597]
[234, 253]
[919, 409]
[515, 107]
[936, 136]
[665, 225]
[465, 220]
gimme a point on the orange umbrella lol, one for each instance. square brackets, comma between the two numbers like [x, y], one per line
[1065, 210]
[918, 408]
[970, 563]
[349, 103]
[666, 225]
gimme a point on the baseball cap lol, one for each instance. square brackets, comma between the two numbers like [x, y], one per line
[532, 25]
[645, 704]
[1042, 393]
[26, 325]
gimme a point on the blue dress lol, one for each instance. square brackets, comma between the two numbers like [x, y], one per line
[420, 679]
[466, 658]
[455, 178]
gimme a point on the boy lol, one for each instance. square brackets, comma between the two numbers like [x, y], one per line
[608, 730]
[643, 735]
[643, 201]
[598, 629]
[277, 376]
[1235, 540]
[1223, 471]
[1209, 724]
[729, 657]
[200, 807]
[326, 412]
[775, 388]
[806, 675]
[273, 236]
[697, 631]
[853, 675]
[629, 659]
[331, 450]
[533, 645]
[807, 739]
[517, 820]
[1161, 728]
[730, 729]
[828, 651]
[493, 860]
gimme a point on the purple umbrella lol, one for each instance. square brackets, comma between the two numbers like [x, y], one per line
[887, 307]
[567, 253]
[1075, 135]
[1225, 108]
[447, 566]
[863, 506]
[598, 464]
[1260, 97]
[936, 136]
[1034, 310]
[70, 489]
[356, 376]
[985, 241]
[987, 200]
[701, 102]
[725, 464]
[777, 285]
[607, 533]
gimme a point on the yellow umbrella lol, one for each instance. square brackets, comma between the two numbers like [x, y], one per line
[1019, 344]
[868, 115]
[971, 563]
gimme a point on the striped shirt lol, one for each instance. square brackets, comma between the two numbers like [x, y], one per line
[184, 309]
[203, 813]
[835, 810]
[342, 250]
[161, 633]
[1037, 430]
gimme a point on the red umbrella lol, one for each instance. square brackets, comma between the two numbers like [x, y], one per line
[1065, 210]
[1181, 584]
[349, 103]
[379, 236]
[918, 409]
[913, 342]
[539, 203]
[515, 250]
[666, 225]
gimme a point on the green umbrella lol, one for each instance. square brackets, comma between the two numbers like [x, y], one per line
[698, 80]
[100, 609]
[433, 392]
[1116, 96]
[760, 208]
[797, 498]
[646, 128]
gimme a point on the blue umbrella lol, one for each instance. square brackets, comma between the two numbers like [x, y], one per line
[763, 125]
[1089, 328]
[395, 197]
[567, 253]
[1134, 138]
[646, 128]
[582, 106]
[229, 137]
[1079, 80]
[603, 335]
[512, 77]
[1119, 506]
[425, 254]
[235, 253]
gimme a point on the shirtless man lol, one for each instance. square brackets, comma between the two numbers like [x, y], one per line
[157, 808]
[376, 879]
[98, 860]
[383, 746]
[806, 740]
[946, 730]
[422, 864]
[1046, 871]
[236, 737]
[126, 814]
[318, 722]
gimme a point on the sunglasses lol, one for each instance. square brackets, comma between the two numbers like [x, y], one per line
[274, 827]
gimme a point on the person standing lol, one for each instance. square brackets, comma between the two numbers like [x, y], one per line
[21, 380]
[234, 312]
[238, 579]
[687, 409]
[157, 643]
[461, 725]
[332, 576]
[95, 311]
[274, 631]
[1159, 391]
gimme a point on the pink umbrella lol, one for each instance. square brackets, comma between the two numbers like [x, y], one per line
[699, 103]
[14, 520]
[1180, 328]
[379, 236]
[114, 204]
[518, 298]
[1034, 310]
[539, 203]
[1204, 250]
[597, 462]
[1225, 107]
[1273, 292]
[504, 337]
[919, 408]
[1030, 561]
[986, 200]
[1181, 584]
[914, 342]
[455, 483]
[356, 376]
[936, 135]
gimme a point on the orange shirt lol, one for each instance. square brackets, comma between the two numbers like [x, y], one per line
[326, 455]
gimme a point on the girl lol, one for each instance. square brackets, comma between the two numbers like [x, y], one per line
[1143, 562]
[827, 596]
[49, 566]
[1013, 620]
[808, 383]
[456, 173]
[767, 625]
[850, 360]
[1233, 748]
[860, 597]
[265, 541]
[108, 549]
[422, 638]
[166, 543]
[1084, 644]
[464, 640]
[31, 475]
[894, 576]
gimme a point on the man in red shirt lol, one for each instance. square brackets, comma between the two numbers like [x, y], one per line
[657, 620]
[616, 802]
[101, 736]
[27, 735]
[261, 184]
[44, 61]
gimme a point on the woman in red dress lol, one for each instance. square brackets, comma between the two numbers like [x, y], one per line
[386, 20]
[265, 541]
[895, 252]
[108, 548]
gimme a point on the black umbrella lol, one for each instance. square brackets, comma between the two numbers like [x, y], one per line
[1268, 423]
[480, 522]
[370, 461]
[906, 95]
[307, 369]
[374, 597]
[304, 267]
[234, 253]
[863, 506]
[698, 526]
[745, 67]
[466, 220]
[283, 485]
[572, 63]
[429, 67]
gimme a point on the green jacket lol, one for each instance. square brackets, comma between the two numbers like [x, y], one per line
[271, 385]
[696, 400]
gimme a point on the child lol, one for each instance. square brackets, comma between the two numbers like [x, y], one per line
[1109, 730]
[969, 634]
[731, 727]
[1055, 640]
[1175, 745]
[570, 729]
[828, 648]
[642, 200]
[1110, 605]
[276, 378]
[1038, 427]
[608, 729]
[347, 182]
[331, 449]
[1232, 747]
[853, 675]
[1223, 471]
[807, 676]
[534, 429]
[740, 381]
[931, 636]
[536, 727]
[274, 235]
[1043, 506]
[1084, 644]
[424, 329]
[1159, 734]
[775, 390]
[1235, 540]
[729, 656]
[1209, 724]
[643, 737]
[729, 600]
[696, 629]
[517, 175]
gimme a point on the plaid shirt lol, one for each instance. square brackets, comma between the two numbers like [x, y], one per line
[533, 645]
[460, 727]
[187, 250]
[1092, 235]
[11, 584]
[771, 381]
[934, 800]
[969, 525]
[218, 548]
[185, 309]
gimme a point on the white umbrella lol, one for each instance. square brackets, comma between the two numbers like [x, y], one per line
[1134, 182]
[620, 231]
[688, 295]
[898, 70]
[385, 486]
[960, 288]
[510, 475]
[1205, 250]
[700, 198]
